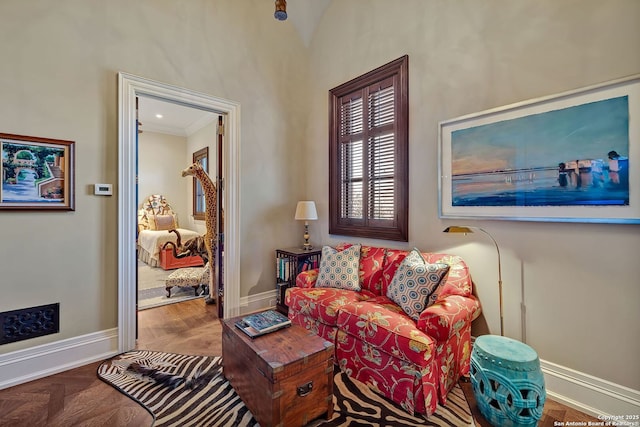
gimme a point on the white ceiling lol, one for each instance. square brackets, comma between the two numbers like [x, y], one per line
[178, 120]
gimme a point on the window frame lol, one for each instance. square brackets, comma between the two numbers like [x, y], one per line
[396, 229]
[198, 156]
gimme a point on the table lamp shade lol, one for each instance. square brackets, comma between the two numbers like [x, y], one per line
[306, 210]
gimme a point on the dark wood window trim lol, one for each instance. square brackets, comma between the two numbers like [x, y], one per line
[368, 154]
[199, 205]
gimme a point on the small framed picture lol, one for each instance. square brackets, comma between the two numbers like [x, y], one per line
[37, 173]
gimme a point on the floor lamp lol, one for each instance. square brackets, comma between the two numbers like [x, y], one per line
[466, 230]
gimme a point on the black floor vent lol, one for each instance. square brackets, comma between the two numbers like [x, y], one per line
[18, 325]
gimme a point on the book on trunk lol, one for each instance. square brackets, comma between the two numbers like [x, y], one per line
[262, 323]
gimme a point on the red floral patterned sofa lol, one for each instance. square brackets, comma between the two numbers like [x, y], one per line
[415, 363]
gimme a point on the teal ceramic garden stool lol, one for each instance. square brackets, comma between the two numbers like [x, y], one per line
[507, 381]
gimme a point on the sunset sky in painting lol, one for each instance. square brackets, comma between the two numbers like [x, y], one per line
[587, 131]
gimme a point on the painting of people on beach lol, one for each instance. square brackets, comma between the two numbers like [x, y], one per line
[572, 156]
[36, 173]
[569, 157]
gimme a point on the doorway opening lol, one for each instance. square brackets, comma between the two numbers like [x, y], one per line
[171, 137]
[131, 87]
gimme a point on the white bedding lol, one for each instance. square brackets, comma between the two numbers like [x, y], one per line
[152, 240]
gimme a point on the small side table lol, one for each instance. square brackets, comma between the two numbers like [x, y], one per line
[507, 381]
[289, 263]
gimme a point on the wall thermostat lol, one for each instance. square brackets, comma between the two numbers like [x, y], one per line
[103, 190]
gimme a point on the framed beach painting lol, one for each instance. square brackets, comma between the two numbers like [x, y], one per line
[37, 173]
[570, 157]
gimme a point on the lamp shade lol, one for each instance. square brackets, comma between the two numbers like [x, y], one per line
[458, 229]
[306, 210]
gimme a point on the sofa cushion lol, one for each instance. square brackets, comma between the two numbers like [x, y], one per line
[339, 269]
[161, 222]
[328, 332]
[372, 261]
[458, 281]
[381, 323]
[320, 303]
[307, 278]
[414, 282]
[392, 261]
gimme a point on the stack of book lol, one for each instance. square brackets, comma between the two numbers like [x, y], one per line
[262, 323]
[308, 264]
[286, 268]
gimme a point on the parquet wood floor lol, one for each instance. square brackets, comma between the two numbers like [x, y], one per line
[78, 398]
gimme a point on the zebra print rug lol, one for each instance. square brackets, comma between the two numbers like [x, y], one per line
[182, 390]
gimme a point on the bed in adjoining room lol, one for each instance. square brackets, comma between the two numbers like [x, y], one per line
[155, 219]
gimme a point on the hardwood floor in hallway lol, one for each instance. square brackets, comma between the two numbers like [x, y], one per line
[78, 398]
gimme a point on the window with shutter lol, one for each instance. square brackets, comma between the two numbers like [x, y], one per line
[368, 154]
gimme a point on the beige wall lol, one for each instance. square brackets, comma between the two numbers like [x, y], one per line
[160, 160]
[58, 79]
[162, 157]
[205, 137]
[580, 280]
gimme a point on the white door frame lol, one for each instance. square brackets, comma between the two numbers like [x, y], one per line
[129, 87]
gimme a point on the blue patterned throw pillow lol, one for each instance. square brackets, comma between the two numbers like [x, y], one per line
[339, 269]
[414, 283]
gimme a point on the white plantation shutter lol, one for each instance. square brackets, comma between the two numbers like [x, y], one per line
[368, 149]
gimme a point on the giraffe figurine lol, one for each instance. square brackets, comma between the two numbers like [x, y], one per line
[211, 221]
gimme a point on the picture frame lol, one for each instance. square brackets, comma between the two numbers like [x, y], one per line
[37, 173]
[569, 157]
[199, 203]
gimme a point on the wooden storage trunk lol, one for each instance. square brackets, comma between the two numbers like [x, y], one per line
[285, 377]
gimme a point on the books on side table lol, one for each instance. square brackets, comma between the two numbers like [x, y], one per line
[262, 323]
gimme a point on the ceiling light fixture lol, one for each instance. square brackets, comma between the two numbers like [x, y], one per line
[281, 10]
[159, 116]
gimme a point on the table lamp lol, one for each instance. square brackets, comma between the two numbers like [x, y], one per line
[306, 211]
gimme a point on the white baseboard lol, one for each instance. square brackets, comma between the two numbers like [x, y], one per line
[588, 394]
[258, 302]
[21, 366]
[26, 365]
[578, 390]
